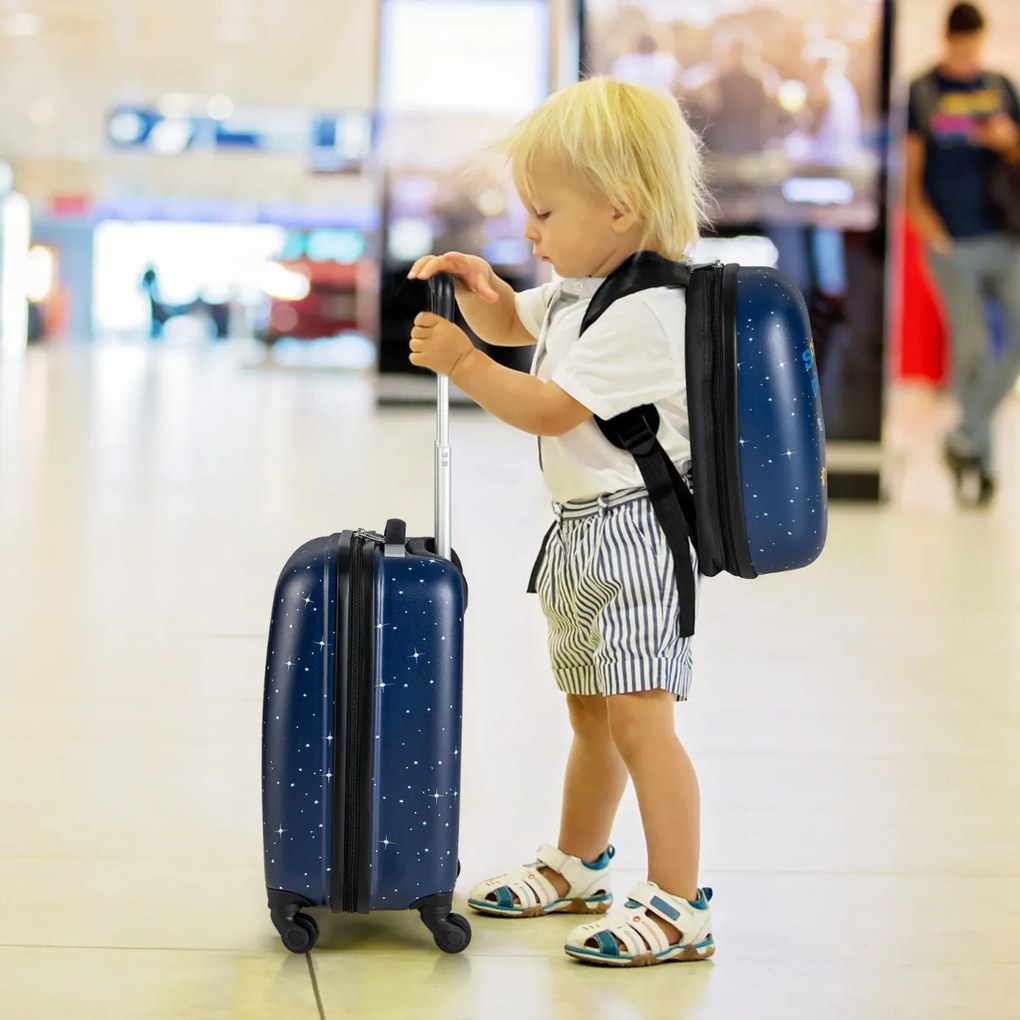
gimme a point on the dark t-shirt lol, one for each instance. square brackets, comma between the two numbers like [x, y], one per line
[956, 170]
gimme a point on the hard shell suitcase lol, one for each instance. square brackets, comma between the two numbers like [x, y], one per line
[362, 721]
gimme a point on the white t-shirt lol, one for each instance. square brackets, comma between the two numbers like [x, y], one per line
[632, 355]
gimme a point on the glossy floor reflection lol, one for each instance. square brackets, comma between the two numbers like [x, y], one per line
[855, 725]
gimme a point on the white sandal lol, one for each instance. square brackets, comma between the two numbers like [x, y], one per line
[525, 892]
[644, 942]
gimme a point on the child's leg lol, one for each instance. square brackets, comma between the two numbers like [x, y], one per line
[643, 664]
[594, 783]
[595, 780]
[644, 731]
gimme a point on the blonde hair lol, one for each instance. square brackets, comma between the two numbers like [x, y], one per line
[628, 144]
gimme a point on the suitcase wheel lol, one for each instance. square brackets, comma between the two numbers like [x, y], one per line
[451, 932]
[453, 935]
[301, 934]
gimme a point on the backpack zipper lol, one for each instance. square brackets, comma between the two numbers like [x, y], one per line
[720, 431]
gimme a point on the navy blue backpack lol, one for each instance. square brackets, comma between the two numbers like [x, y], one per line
[759, 503]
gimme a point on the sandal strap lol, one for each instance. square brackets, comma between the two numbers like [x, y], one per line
[543, 890]
[652, 898]
[584, 880]
[637, 920]
[554, 858]
[633, 943]
[605, 942]
[530, 887]
[632, 927]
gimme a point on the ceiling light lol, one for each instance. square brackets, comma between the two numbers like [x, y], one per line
[176, 105]
[170, 137]
[126, 127]
[284, 284]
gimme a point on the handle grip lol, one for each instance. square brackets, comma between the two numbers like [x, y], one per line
[441, 296]
[395, 537]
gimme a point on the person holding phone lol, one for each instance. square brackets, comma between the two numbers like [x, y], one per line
[964, 132]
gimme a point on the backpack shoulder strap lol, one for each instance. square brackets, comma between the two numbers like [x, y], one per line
[1001, 84]
[994, 80]
[927, 94]
[672, 501]
[636, 430]
[644, 270]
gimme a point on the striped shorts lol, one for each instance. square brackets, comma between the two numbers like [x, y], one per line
[608, 589]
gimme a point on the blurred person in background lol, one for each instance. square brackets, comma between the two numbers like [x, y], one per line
[835, 129]
[649, 66]
[963, 195]
[158, 311]
[743, 98]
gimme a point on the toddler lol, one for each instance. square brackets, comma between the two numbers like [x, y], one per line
[604, 170]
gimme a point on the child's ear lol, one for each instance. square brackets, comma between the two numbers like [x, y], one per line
[625, 215]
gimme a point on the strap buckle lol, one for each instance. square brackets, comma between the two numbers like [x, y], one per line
[634, 431]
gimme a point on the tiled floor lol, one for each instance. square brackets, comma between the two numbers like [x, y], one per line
[855, 725]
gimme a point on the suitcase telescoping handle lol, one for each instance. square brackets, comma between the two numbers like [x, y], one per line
[441, 302]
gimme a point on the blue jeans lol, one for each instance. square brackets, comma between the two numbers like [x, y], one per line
[979, 268]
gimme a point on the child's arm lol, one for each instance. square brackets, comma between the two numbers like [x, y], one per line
[486, 301]
[496, 323]
[521, 400]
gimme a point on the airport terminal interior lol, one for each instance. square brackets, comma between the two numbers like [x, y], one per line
[208, 211]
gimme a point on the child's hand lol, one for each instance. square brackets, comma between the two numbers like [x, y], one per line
[437, 344]
[468, 271]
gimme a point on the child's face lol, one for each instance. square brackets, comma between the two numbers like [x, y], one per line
[579, 232]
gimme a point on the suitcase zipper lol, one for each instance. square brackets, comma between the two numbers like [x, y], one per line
[352, 811]
[355, 726]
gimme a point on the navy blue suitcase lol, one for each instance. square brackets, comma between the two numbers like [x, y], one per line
[362, 723]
